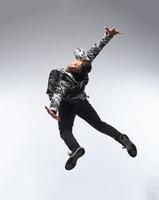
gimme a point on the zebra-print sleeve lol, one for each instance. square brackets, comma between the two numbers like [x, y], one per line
[97, 47]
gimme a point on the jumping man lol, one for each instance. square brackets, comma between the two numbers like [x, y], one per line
[66, 90]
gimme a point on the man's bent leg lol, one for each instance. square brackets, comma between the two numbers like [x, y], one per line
[69, 139]
[67, 114]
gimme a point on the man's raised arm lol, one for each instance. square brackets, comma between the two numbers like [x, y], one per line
[96, 48]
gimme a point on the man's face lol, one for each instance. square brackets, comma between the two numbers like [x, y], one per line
[75, 66]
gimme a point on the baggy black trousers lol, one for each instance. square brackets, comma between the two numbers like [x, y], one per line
[83, 109]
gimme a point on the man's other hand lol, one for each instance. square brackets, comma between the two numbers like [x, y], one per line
[52, 113]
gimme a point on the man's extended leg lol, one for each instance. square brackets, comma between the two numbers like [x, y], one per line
[87, 112]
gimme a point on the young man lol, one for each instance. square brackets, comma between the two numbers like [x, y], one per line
[66, 90]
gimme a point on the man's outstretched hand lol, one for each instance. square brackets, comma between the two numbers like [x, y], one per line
[111, 32]
[52, 113]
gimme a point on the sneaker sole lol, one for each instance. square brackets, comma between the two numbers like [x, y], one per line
[131, 148]
[71, 163]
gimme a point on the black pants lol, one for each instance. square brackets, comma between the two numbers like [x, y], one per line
[83, 109]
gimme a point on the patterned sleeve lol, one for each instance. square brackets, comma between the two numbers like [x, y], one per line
[96, 48]
[52, 82]
[93, 51]
[58, 95]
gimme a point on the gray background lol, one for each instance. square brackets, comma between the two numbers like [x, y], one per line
[37, 36]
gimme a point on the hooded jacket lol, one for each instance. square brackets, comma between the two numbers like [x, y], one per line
[68, 86]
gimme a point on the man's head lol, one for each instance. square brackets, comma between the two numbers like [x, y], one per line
[80, 66]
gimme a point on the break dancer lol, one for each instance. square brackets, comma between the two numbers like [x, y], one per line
[66, 90]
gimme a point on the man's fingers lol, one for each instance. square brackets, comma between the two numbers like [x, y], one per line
[106, 28]
[59, 119]
[56, 117]
[112, 31]
[49, 111]
[109, 29]
[47, 108]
